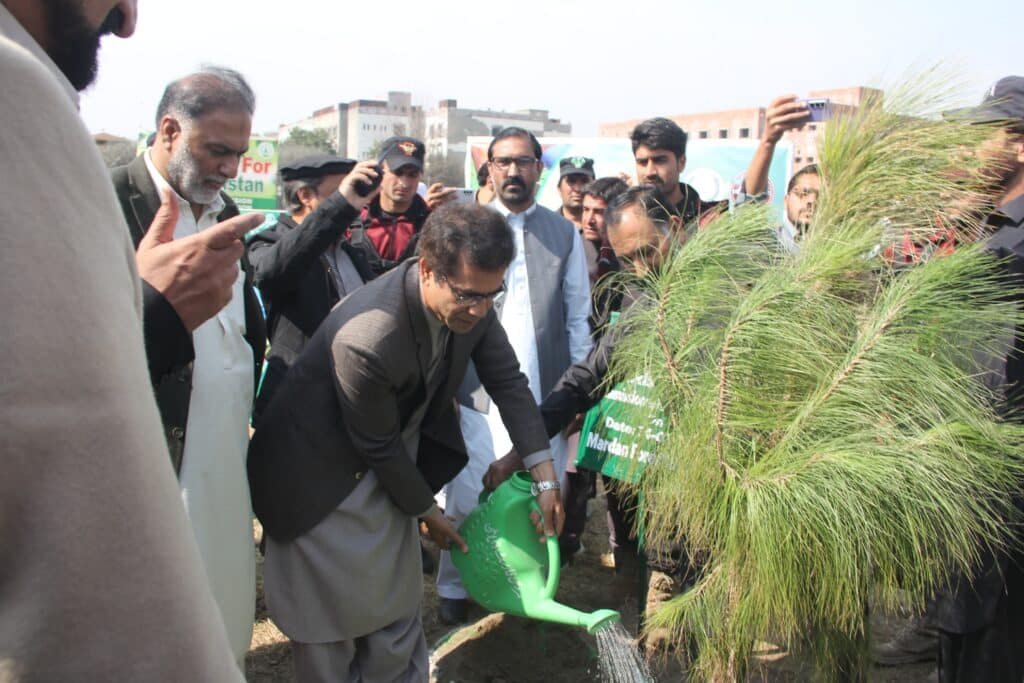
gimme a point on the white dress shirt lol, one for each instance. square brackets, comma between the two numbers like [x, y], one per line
[214, 485]
[484, 433]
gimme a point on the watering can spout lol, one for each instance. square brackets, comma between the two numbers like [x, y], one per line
[601, 618]
[508, 570]
[549, 610]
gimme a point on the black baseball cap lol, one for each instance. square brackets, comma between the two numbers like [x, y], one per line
[316, 166]
[576, 166]
[402, 151]
[1003, 103]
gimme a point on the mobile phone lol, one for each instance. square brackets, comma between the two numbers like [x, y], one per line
[364, 188]
[820, 108]
[465, 195]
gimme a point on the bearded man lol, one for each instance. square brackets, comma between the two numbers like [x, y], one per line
[203, 364]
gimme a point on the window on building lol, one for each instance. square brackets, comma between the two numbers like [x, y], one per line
[810, 160]
[702, 134]
[797, 160]
[723, 133]
[813, 126]
[744, 132]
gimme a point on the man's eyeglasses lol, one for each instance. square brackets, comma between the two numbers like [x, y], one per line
[804, 192]
[504, 163]
[465, 297]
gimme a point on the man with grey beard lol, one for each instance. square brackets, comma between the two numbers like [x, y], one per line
[204, 350]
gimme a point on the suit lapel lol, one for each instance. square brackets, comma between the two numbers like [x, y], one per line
[142, 197]
[417, 318]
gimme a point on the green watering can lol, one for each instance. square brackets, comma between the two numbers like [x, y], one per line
[507, 569]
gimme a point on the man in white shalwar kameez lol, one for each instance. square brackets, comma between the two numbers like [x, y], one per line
[544, 313]
[203, 125]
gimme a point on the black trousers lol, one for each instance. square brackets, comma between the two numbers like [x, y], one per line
[994, 653]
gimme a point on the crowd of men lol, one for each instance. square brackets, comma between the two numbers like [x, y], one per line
[421, 348]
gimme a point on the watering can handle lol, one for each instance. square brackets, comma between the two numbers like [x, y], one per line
[554, 558]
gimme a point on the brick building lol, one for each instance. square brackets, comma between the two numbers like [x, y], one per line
[749, 123]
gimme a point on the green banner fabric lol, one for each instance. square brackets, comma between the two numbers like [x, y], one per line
[621, 433]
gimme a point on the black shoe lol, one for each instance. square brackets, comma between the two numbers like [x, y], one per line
[452, 612]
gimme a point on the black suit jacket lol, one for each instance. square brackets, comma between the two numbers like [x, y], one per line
[297, 282]
[343, 404]
[169, 349]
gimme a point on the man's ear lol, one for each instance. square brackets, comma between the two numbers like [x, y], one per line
[1019, 148]
[425, 271]
[682, 162]
[167, 132]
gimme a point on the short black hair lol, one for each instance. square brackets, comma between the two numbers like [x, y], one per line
[209, 89]
[482, 174]
[806, 170]
[649, 198]
[515, 132]
[459, 230]
[605, 188]
[659, 133]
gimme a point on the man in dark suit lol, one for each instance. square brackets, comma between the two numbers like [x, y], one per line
[203, 354]
[363, 431]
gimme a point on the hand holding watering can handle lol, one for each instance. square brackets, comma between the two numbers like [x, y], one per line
[554, 557]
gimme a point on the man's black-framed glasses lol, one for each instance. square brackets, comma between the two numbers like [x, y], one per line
[504, 163]
[465, 297]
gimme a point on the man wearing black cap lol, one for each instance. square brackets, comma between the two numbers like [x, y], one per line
[303, 264]
[574, 174]
[981, 620]
[387, 230]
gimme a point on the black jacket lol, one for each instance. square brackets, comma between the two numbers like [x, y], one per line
[169, 349]
[365, 255]
[579, 389]
[972, 603]
[297, 282]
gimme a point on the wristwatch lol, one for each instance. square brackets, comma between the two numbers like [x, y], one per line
[539, 487]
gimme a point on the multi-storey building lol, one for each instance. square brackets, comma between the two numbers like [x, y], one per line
[750, 123]
[357, 128]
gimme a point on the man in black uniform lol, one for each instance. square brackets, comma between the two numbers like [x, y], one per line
[574, 174]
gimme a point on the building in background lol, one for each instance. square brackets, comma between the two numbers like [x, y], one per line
[356, 129]
[739, 124]
[448, 126]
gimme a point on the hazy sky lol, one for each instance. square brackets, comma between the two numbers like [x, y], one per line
[585, 61]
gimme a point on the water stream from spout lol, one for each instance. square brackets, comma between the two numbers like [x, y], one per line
[619, 657]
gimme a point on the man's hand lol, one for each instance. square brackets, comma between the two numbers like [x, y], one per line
[365, 171]
[196, 273]
[501, 469]
[438, 194]
[442, 531]
[574, 426]
[784, 113]
[550, 502]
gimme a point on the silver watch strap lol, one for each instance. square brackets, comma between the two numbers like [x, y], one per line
[539, 487]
